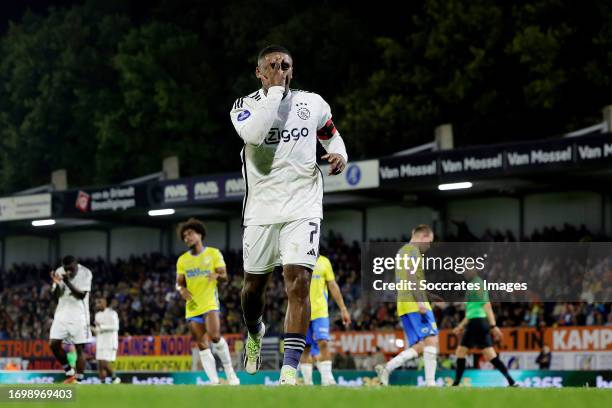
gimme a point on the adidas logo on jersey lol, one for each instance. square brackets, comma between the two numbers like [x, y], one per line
[311, 252]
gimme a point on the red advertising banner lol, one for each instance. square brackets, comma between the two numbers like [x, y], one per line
[36, 354]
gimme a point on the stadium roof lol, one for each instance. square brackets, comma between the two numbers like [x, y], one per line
[582, 163]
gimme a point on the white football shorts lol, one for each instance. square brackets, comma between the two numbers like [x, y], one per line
[106, 354]
[291, 243]
[70, 331]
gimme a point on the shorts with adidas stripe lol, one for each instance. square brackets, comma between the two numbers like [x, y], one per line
[290, 243]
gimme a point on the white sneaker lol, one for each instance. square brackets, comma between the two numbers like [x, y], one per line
[288, 375]
[252, 354]
[383, 374]
[232, 379]
[117, 380]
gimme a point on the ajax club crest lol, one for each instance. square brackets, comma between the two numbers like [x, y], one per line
[303, 111]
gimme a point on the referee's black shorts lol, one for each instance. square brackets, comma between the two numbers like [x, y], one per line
[477, 334]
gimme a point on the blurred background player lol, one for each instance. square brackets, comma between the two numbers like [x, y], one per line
[198, 272]
[283, 207]
[416, 315]
[317, 338]
[71, 285]
[477, 327]
[106, 330]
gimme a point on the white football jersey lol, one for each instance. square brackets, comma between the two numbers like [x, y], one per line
[279, 161]
[69, 308]
[107, 322]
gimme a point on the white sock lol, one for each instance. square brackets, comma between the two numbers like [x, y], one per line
[401, 358]
[325, 367]
[306, 370]
[430, 354]
[210, 368]
[221, 349]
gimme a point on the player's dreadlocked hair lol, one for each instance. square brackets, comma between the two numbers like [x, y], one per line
[194, 224]
[270, 49]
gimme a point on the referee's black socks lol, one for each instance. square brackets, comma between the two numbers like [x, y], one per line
[459, 371]
[501, 367]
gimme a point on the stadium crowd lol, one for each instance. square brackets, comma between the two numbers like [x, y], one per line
[141, 289]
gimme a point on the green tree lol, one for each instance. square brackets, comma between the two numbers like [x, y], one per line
[57, 80]
[496, 71]
[163, 110]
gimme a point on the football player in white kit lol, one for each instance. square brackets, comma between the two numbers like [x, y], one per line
[106, 330]
[71, 285]
[282, 209]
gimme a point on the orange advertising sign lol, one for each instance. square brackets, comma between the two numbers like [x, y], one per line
[590, 338]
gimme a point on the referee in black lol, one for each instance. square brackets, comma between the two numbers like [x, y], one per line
[478, 329]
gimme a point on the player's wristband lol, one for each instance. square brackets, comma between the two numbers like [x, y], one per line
[178, 287]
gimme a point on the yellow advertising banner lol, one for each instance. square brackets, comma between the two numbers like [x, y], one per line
[153, 363]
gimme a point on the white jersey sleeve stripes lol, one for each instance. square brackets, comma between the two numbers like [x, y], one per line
[279, 157]
[252, 116]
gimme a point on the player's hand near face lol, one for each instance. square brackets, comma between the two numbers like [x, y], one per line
[273, 74]
[56, 278]
[336, 163]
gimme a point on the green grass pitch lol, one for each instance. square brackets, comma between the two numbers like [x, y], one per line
[175, 396]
